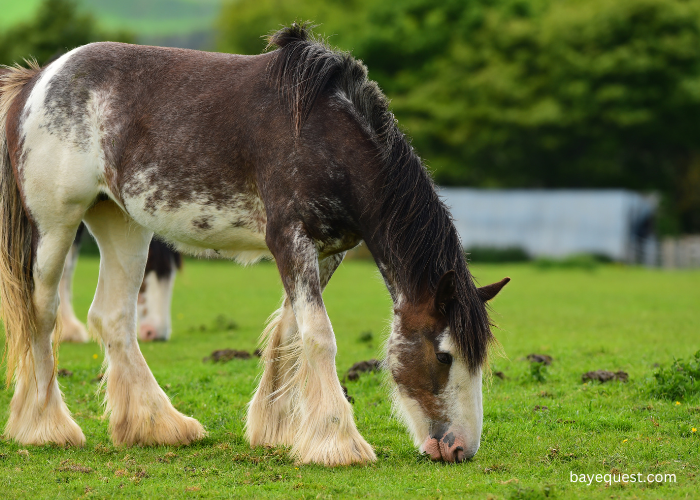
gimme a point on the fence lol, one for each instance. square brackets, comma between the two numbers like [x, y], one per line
[681, 252]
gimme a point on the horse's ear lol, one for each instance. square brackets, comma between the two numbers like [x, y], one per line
[445, 290]
[488, 292]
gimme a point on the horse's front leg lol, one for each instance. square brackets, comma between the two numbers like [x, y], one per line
[270, 413]
[269, 419]
[325, 429]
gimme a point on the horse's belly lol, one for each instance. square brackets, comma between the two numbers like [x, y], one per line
[231, 227]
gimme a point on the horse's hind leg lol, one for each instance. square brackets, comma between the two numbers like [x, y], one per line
[72, 329]
[270, 416]
[141, 412]
[38, 413]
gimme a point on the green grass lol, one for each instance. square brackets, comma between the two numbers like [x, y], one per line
[612, 318]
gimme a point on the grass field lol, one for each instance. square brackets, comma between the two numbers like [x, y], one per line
[614, 318]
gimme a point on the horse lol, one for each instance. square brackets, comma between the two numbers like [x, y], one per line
[156, 292]
[292, 154]
[154, 299]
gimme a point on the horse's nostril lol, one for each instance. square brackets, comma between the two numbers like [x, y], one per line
[459, 454]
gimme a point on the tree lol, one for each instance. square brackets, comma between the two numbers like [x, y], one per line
[569, 94]
[243, 25]
[57, 27]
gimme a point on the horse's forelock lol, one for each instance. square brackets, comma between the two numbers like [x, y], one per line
[297, 32]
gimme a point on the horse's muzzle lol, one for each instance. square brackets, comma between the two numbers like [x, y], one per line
[150, 333]
[448, 447]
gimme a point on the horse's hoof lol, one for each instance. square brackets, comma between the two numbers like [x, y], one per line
[74, 331]
[36, 425]
[336, 450]
[168, 427]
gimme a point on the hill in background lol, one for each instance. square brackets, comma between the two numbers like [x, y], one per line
[181, 23]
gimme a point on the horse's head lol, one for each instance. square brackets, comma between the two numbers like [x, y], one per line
[438, 390]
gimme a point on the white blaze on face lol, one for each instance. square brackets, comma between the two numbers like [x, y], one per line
[462, 398]
[154, 302]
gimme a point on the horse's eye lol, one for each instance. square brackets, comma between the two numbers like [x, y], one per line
[444, 358]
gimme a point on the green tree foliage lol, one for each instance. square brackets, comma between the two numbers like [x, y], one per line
[526, 93]
[57, 27]
[243, 24]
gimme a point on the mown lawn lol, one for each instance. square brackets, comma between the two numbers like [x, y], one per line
[535, 433]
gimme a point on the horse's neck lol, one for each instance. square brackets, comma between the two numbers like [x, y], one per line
[394, 226]
[371, 231]
[390, 281]
[380, 248]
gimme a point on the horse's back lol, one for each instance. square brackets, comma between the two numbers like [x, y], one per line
[195, 146]
[152, 96]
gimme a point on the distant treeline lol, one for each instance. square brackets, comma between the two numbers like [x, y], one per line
[57, 27]
[526, 93]
[497, 93]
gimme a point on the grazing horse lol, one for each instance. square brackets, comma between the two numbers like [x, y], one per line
[292, 154]
[156, 292]
[154, 300]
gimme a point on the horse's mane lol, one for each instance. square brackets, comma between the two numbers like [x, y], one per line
[416, 227]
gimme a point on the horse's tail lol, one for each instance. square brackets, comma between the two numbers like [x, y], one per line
[16, 305]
